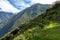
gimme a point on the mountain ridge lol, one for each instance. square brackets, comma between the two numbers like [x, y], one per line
[4, 17]
[44, 27]
[24, 16]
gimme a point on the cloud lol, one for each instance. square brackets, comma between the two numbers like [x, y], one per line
[6, 6]
[22, 4]
[18, 5]
[43, 1]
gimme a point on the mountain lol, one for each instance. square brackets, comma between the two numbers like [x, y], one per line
[4, 17]
[46, 26]
[24, 16]
[30, 13]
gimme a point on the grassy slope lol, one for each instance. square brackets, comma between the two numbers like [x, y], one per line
[51, 22]
[44, 27]
[45, 34]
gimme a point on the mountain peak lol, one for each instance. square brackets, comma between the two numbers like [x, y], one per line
[37, 4]
[24, 16]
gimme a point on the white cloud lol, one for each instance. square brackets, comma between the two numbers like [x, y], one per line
[6, 6]
[24, 5]
[43, 1]
[20, 4]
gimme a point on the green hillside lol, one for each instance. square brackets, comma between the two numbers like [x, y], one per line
[24, 16]
[44, 27]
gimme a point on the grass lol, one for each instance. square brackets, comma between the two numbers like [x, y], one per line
[52, 25]
[51, 32]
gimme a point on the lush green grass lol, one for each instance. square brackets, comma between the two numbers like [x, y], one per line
[51, 32]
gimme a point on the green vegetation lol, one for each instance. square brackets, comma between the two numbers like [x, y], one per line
[37, 34]
[44, 27]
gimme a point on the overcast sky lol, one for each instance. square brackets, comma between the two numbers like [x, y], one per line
[18, 5]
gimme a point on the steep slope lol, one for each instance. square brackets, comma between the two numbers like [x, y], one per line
[30, 13]
[44, 27]
[24, 16]
[4, 16]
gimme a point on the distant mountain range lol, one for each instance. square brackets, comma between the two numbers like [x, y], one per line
[4, 17]
[23, 17]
